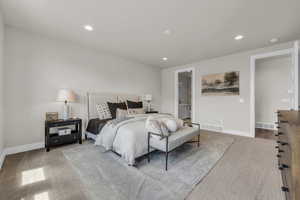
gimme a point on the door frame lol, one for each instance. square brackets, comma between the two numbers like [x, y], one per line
[293, 52]
[190, 69]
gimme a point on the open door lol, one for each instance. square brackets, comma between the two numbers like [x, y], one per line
[184, 94]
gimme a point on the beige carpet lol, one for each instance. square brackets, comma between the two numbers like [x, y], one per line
[106, 176]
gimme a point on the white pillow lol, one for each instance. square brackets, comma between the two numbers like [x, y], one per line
[180, 123]
[171, 124]
[103, 111]
[121, 114]
[134, 111]
[156, 126]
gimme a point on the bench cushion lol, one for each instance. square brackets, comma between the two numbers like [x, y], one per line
[175, 139]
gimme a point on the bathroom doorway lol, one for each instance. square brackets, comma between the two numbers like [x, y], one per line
[184, 92]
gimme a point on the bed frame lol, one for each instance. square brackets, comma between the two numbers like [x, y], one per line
[97, 98]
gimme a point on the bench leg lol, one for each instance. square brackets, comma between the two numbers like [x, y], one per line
[167, 152]
[167, 155]
[148, 148]
[198, 144]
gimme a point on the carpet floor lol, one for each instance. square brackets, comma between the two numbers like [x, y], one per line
[106, 176]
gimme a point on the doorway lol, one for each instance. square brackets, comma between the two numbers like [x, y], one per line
[292, 100]
[272, 92]
[184, 94]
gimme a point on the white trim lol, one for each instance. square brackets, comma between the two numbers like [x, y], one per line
[2, 157]
[253, 59]
[23, 148]
[296, 68]
[252, 96]
[265, 125]
[273, 54]
[193, 91]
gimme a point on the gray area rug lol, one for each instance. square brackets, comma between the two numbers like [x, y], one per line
[106, 177]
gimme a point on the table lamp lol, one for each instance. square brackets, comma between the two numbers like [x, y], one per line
[66, 96]
[148, 98]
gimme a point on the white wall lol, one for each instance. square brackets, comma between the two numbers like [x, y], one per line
[1, 87]
[272, 82]
[36, 67]
[226, 111]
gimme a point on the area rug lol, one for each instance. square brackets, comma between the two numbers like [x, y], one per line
[105, 176]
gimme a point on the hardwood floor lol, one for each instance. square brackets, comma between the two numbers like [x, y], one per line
[247, 171]
[265, 134]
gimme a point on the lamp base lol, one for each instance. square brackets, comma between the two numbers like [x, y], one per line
[149, 107]
[65, 114]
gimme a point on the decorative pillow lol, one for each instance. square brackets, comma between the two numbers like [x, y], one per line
[113, 108]
[171, 124]
[155, 126]
[121, 114]
[180, 123]
[103, 111]
[133, 104]
[134, 111]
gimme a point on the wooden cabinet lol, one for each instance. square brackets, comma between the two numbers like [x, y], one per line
[288, 146]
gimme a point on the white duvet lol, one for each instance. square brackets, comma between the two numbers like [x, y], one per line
[128, 138]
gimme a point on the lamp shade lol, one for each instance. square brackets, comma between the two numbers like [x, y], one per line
[148, 97]
[65, 95]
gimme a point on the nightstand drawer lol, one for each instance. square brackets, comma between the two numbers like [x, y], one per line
[64, 139]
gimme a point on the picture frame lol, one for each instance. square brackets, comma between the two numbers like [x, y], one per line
[51, 116]
[221, 84]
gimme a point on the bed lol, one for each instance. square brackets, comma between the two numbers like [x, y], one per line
[127, 138]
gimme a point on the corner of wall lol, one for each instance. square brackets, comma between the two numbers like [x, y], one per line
[2, 155]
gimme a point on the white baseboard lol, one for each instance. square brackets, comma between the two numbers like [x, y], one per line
[265, 125]
[2, 157]
[23, 148]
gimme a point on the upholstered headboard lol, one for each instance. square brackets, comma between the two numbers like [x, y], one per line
[97, 98]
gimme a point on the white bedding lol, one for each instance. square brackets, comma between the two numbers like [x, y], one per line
[128, 138]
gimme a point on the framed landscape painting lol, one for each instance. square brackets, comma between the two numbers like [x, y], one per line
[221, 84]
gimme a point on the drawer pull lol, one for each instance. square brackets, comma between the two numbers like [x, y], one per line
[278, 155]
[278, 141]
[280, 151]
[280, 168]
[280, 133]
[285, 189]
[284, 143]
[278, 127]
[276, 147]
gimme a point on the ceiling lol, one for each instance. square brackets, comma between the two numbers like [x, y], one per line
[200, 29]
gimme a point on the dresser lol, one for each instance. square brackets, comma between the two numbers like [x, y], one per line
[288, 146]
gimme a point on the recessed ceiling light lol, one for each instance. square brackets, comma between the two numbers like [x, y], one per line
[274, 40]
[88, 27]
[238, 37]
[167, 32]
[164, 58]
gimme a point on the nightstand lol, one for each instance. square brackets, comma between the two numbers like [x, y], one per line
[54, 139]
[151, 112]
